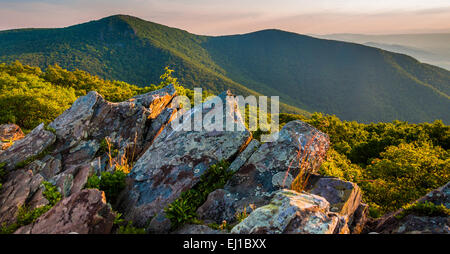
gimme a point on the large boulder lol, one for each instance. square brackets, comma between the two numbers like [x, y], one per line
[344, 197]
[403, 222]
[273, 166]
[290, 212]
[9, 133]
[26, 148]
[85, 212]
[177, 159]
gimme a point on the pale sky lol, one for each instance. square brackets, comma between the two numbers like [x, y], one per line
[220, 17]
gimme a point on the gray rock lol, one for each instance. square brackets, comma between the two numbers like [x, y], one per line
[82, 127]
[31, 145]
[160, 224]
[344, 197]
[273, 166]
[72, 180]
[176, 160]
[213, 209]
[85, 212]
[244, 155]
[48, 167]
[290, 212]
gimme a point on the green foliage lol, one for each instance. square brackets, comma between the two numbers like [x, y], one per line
[424, 209]
[183, 209]
[26, 216]
[50, 129]
[111, 183]
[405, 173]
[51, 193]
[126, 227]
[240, 216]
[129, 229]
[338, 165]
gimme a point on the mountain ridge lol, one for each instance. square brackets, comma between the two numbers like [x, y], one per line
[353, 81]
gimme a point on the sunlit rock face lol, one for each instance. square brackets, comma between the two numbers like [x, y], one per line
[290, 212]
[9, 133]
[178, 157]
[31, 145]
[273, 166]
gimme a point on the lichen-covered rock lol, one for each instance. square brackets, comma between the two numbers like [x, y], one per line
[344, 197]
[401, 222]
[48, 167]
[197, 229]
[20, 187]
[243, 157]
[91, 119]
[177, 158]
[213, 210]
[290, 212]
[72, 180]
[273, 166]
[9, 133]
[85, 212]
[31, 145]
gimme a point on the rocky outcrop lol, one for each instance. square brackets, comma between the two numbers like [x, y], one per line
[405, 222]
[273, 166]
[91, 119]
[85, 212]
[178, 157]
[290, 212]
[67, 152]
[9, 133]
[31, 145]
[344, 197]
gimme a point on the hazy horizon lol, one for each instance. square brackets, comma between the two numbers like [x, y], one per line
[220, 17]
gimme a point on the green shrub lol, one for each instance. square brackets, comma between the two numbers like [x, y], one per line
[126, 227]
[424, 209]
[183, 210]
[27, 216]
[111, 183]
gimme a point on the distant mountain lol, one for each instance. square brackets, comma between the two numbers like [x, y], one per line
[429, 48]
[353, 81]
